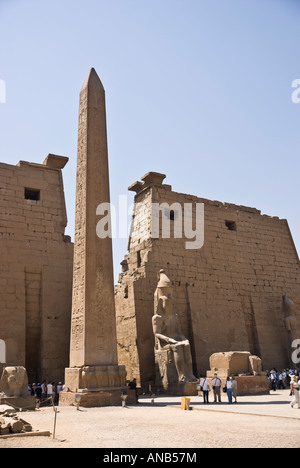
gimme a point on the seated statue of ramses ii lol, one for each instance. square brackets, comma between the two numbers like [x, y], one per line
[167, 332]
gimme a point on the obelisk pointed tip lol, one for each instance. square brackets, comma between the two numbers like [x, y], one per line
[92, 80]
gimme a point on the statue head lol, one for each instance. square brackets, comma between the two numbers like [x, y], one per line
[14, 381]
[163, 292]
[164, 285]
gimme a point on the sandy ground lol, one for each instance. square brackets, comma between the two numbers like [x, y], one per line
[261, 421]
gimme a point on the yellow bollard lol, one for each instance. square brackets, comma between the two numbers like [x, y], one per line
[185, 403]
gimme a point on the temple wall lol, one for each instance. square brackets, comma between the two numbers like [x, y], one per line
[35, 269]
[228, 294]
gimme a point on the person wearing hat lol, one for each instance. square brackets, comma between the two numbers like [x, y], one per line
[295, 391]
[216, 385]
[273, 380]
[58, 390]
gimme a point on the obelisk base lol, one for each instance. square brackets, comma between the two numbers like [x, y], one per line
[98, 398]
[96, 386]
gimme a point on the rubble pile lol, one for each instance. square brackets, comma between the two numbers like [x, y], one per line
[11, 423]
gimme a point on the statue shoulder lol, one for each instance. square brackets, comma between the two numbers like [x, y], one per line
[156, 319]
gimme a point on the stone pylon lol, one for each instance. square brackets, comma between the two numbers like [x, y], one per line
[94, 372]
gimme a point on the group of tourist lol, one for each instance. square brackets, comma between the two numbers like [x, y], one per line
[287, 379]
[230, 389]
[46, 392]
[295, 391]
[281, 380]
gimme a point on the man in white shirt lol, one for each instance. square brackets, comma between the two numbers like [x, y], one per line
[49, 390]
[59, 387]
[228, 386]
[281, 378]
[216, 385]
[204, 385]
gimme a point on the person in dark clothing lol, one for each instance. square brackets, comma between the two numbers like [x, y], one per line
[132, 385]
[38, 394]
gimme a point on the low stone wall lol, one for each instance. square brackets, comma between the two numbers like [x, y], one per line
[253, 385]
[248, 385]
[26, 403]
[93, 399]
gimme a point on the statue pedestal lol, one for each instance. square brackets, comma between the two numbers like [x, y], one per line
[167, 376]
[181, 389]
[97, 397]
[90, 377]
[253, 385]
[26, 403]
[96, 385]
[14, 388]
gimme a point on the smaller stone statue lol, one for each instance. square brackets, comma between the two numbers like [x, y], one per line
[290, 319]
[166, 329]
[292, 326]
[14, 382]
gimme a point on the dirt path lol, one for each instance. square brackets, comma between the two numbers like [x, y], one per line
[253, 422]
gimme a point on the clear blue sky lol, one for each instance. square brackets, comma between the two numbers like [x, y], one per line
[197, 89]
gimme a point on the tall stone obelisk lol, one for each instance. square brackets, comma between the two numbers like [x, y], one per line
[94, 370]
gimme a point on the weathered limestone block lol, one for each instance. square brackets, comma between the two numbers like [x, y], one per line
[255, 364]
[95, 377]
[4, 430]
[253, 385]
[14, 425]
[6, 410]
[234, 363]
[251, 380]
[105, 397]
